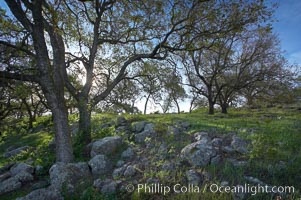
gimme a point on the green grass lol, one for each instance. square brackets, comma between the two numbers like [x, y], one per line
[37, 141]
[275, 135]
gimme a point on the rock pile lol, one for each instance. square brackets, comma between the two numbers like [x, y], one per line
[213, 150]
[14, 176]
[108, 175]
[143, 130]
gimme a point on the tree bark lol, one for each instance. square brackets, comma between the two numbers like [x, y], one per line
[30, 115]
[190, 109]
[211, 107]
[64, 151]
[224, 107]
[178, 106]
[211, 101]
[145, 105]
[223, 101]
[84, 122]
[56, 102]
[191, 104]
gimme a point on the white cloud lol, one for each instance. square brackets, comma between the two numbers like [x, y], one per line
[295, 58]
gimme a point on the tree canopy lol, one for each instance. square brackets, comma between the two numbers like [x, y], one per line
[95, 54]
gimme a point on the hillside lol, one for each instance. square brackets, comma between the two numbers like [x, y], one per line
[145, 156]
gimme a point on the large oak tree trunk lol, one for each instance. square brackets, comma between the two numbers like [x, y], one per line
[52, 81]
[56, 102]
[211, 102]
[211, 107]
[224, 107]
[64, 151]
[84, 122]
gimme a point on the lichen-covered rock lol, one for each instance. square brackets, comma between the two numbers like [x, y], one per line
[98, 183]
[172, 130]
[150, 127]
[217, 142]
[177, 128]
[140, 137]
[201, 136]
[118, 172]
[130, 171]
[123, 129]
[128, 154]
[239, 145]
[199, 153]
[20, 167]
[228, 149]
[9, 185]
[40, 184]
[106, 146]
[120, 163]
[149, 131]
[15, 175]
[24, 176]
[71, 176]
[109, 187]
[168, 166]
[100, 165]
[139, 126]
[49, 193]
[106, 186]
[193, 177]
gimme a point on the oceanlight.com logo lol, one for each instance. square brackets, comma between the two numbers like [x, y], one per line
[251, 189]
[213, 188]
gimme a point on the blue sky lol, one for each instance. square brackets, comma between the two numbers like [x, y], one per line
[288, 28]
